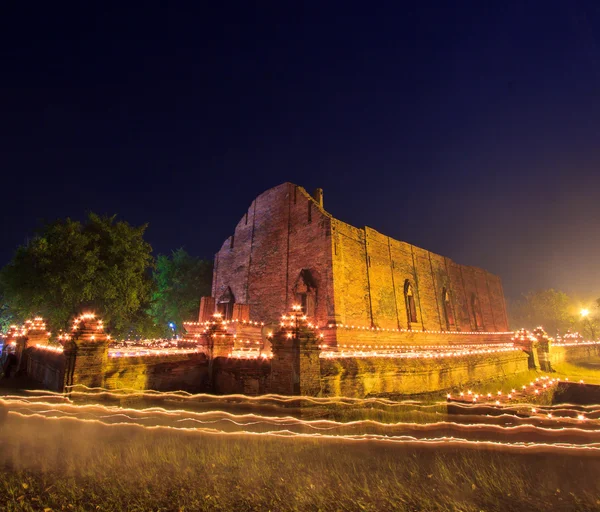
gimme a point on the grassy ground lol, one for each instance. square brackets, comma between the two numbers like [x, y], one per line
[589, 371]
[74, 465]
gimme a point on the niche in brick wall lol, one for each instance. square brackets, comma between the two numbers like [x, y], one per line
[225, 304]
[477, 316]
[448, 311]
[305, 292]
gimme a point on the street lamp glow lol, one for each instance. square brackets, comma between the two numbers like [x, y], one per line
[584, 312]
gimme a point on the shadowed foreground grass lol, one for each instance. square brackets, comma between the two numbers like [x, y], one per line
[70, 464]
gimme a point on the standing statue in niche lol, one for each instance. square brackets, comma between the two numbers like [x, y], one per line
[305, 292]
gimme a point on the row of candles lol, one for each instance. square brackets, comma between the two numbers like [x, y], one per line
[422, 354]
[535, 388]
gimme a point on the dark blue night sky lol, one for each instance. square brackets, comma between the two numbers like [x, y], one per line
[468, 128]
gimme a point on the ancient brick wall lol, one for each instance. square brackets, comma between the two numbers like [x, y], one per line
[361, 377]
[47, 368]
[496, 294]
[427, 295]
[284, 231]
[403, 264]
[360, 274]
[310, 248]
[459, 296]
[171, 372]
[350, 277]
[351, 338]
[371, 270]
[241, 376]
[383, 293]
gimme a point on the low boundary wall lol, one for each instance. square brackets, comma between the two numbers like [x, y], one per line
[47, 367]
[360, 377]
[295, 368]
[245, 376]
[573, 353]
[172, 372]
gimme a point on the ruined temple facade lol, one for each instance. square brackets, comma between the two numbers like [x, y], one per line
[287, 250]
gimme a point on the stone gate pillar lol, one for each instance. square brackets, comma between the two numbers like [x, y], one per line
[15, 343]
[86, 352]
[295, 366]
[35, 333]
[216, 342]
[543, 349]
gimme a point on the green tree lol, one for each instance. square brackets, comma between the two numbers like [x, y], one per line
[101, 264]
[179, 282]
[6, 317]
[551, 309]
[590, 319]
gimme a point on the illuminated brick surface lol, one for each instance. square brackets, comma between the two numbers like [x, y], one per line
[359, 273]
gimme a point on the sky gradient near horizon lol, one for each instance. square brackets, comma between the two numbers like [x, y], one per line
[471, 129]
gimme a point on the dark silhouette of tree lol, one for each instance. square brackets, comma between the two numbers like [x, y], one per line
[101, 264]
[180, 280]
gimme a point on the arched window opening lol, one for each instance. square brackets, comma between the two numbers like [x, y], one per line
[411, 307]
[476, 307]
[225, 304]
[448, 313]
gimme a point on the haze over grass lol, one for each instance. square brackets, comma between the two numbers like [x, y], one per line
[69, 464]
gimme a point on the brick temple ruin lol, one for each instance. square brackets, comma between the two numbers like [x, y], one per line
[305, 304]
[288, 250]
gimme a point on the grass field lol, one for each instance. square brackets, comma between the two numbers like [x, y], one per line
[62, 455]
[69, 464]
[589, 371]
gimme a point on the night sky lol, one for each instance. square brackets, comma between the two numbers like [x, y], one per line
[472, 130]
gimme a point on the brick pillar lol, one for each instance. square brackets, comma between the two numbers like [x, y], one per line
[86, 353]
[207, 309]
[216, 342]
[543, 349]
[31, 340]
[310, 365]
[21, 345]
[10, 347]
[529, 344]
[295, 366]
[32, 333]
[285, 367]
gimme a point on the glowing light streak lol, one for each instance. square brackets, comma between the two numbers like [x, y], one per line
[436, 442]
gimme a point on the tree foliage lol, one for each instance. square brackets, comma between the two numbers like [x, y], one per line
[6, 316]
[100, 264]
[180, 281]
[554, 310]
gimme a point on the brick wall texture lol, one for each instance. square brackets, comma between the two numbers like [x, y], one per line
[381, 376]
[357, 276]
